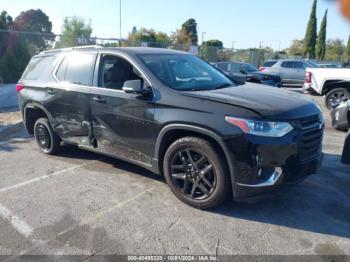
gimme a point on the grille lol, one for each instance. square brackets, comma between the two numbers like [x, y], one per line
[310, 138]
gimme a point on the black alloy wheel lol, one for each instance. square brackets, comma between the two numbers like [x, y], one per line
[193, 174]
[47, 140]
[335, 97]
[196, 172]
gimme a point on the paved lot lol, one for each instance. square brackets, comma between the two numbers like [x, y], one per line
[79, 203]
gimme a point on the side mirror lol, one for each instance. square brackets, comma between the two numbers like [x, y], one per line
[133, 86]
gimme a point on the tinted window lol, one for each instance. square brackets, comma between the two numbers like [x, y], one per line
[80, 68]
[37, 67]
[115, 71]
[185, 72]
[299, 65]
[234, 68]
[249, 68]
[222, 66]
[288, 64]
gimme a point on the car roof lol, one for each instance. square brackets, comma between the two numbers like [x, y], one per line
[125, 50]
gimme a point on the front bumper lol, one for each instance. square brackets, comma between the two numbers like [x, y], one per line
[264, 164]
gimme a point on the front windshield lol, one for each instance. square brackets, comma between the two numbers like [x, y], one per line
[250, 68]
[185, 72]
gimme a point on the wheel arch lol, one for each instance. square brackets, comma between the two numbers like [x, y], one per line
[334, 83]
[31, 113]
[172, 132]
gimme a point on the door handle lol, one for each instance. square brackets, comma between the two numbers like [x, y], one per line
[99, 100]
[51, 91]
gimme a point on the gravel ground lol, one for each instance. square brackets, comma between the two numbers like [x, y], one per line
[80, 203]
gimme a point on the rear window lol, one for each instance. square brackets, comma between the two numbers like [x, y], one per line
[77, 68]
[37, 67]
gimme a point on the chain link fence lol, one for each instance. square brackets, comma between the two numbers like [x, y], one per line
[16, 49]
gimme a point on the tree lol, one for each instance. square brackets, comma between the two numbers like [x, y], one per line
[150, 36]
[187, 35]
[14, 54]
[311, 34]
[134, 30]
[35, 21]
[296, 48]
[347, 50]
[214, 43]
[5, 24]
[334, 50]
[321, 39]
[75, 32]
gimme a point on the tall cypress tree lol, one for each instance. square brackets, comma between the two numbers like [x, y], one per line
[311, 34]
[347, 50]
[321, 39]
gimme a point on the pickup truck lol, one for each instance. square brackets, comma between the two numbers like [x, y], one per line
[333, 83]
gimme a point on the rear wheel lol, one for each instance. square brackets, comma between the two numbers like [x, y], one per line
[47, 140]
[335, 97]
[196, 173]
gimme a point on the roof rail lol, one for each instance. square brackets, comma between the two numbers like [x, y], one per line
[70, 49]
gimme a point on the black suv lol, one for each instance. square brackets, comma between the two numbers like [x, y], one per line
[174, 114]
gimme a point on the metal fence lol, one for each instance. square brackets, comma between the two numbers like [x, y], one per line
[16, 48]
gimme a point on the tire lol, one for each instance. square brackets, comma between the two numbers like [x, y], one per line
[187, 178]
[334, 97]
[47, 140]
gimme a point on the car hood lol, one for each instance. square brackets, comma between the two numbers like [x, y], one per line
[270, 103]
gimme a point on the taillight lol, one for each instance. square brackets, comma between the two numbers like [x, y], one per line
[19, 88]
[262, 68]
[308, 77]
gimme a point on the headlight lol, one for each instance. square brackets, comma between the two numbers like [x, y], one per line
[261, 128]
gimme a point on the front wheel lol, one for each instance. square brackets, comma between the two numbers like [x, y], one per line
[335, 97]
[196, 173]
[47, 140]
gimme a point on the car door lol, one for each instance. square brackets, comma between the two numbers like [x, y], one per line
[300, 70]
[69, 104]
[122, 122]
[287, 72]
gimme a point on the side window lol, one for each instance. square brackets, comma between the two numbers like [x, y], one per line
[61, 71]
[115, 71]
[287, 64]
[37, 66]
[298, 65]
[234, 68]
[222, 66]
[77, 68]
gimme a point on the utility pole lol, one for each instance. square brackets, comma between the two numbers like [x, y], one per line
[233, 46]
[203, 33]
[120, 21]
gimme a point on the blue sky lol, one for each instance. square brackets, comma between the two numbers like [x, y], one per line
[246, 22]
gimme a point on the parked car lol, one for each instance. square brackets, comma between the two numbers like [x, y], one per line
[341, 116]
[292, 72]
[248, 72]
[333, 83]
[268, 63]
[174, 114]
